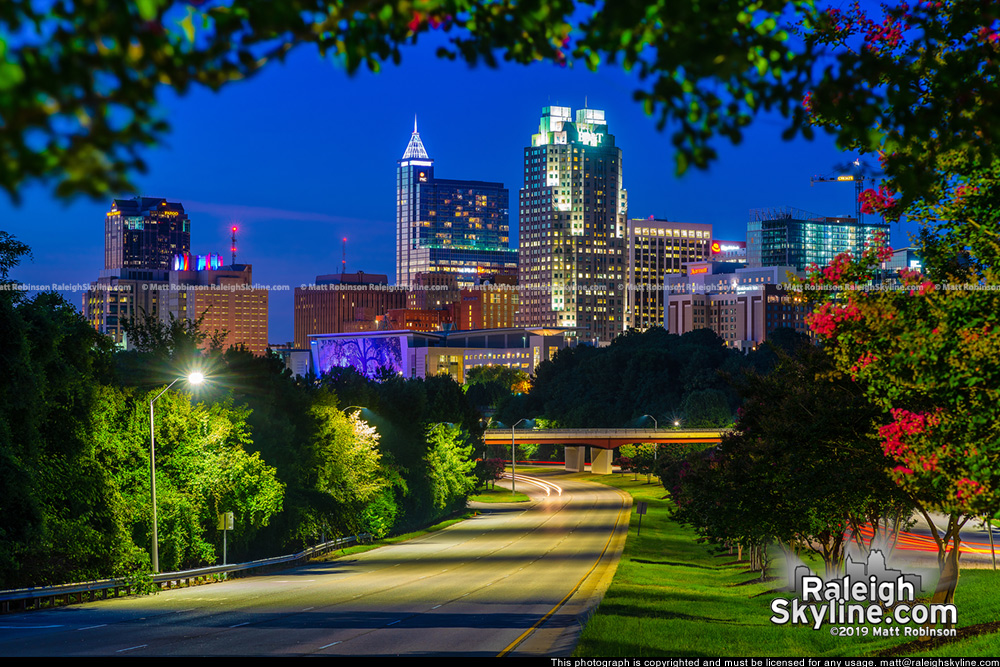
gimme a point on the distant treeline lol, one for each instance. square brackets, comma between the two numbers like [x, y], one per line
[685, 379]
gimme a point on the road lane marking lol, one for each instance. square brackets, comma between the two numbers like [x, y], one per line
[28, 627]
[328, 645]
[393, 623]
[621, 512]
[91, 627]
[240, 625]
[435, 606]
[122, 650]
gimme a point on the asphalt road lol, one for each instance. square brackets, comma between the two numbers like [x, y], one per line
[515, 580]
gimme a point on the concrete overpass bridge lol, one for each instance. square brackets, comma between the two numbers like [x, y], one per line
[602, 441]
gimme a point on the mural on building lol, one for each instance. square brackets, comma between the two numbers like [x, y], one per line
[366, 355]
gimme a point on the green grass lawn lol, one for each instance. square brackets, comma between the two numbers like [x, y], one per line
[672, 596]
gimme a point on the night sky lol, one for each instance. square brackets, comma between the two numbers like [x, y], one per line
[304, 155]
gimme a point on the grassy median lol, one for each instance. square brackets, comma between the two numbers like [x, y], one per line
[673, 596]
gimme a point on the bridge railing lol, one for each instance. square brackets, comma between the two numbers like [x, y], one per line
[552, 433]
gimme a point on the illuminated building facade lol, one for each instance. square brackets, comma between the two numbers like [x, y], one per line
[426, 354]
[492, 303]
[223, 298]
[120, 295]
[656, 249]
[141, 237]
[433, 290]
[346, 302]
[573, 213]
[731, 300]
[201, 286]
[145, 233]
[903, 258]
[444, 225]
[787, 237]
[416, 319]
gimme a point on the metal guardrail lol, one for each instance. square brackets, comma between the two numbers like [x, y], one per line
[36, 597]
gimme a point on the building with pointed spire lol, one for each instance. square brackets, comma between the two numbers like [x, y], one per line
[445, 225]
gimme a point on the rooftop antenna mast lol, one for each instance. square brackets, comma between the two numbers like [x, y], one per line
[343, 260]
[232, 247]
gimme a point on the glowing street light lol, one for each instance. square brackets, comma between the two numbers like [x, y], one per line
[192, 378]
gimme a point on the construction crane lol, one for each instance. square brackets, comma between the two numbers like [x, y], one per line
[857, 178]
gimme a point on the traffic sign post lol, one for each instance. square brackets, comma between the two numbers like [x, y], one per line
[226, 523]
[640, 509]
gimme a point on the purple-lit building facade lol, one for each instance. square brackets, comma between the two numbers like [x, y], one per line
[426, 354]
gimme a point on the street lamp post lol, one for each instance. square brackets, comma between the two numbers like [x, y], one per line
[193, 378]
[513, 457]
[656, 427]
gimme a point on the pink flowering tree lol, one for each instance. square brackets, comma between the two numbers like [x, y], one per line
[929, 350]
[929, 353]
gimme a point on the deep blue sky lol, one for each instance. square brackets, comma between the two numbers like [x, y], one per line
[304, 155]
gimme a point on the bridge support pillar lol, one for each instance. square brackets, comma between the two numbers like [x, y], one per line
[600, 461]
[575, 458]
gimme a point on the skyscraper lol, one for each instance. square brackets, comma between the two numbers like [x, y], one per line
[145, 233]
[573, 226]
[446, 225]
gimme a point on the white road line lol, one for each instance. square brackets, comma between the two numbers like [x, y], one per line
[91, 627]
[122, 650]
[393, 623]
[240, 625]
[435, 606]
[328, 645]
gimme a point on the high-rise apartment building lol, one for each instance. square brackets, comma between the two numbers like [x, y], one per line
[445, 225]
[656, 249]
[573, 226]
[145, 233]
[788, 237]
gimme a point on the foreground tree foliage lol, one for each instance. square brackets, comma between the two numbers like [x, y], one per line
[79, 81]
[802, 467]
[74, 457]
[282, 455]
[927, 352]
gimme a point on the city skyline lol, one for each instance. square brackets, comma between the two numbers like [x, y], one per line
[299, 173]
